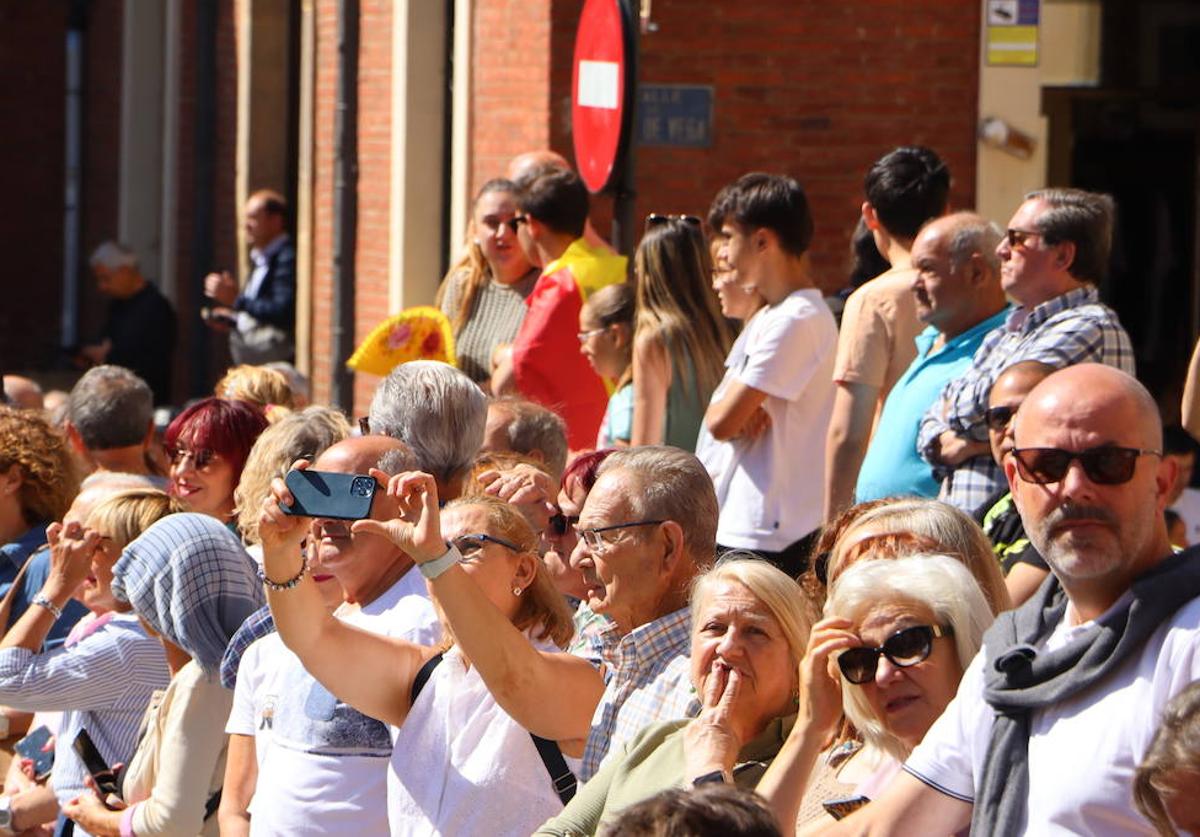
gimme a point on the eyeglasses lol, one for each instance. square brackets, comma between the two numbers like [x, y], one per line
[561, 523]
[584, 336]
[591, 537]
[1016, 238]
[1104, 465]
[997, 418]
[905, 648]
[364, 425]
[655, 220]
[515, 222]
[470, 545]
[201, 458]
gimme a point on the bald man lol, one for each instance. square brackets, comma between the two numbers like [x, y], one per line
[1058, 708]
[23, 392]
[532, 161]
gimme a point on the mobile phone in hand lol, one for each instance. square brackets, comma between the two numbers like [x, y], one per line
[330, 495]
[32, 747]
[97, 768]
[838, 808]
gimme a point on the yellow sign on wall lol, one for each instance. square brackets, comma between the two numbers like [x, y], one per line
[1012, 32]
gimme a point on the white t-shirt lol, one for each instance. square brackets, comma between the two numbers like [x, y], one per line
[1188, 508]
[322, 765]
[771, 489]
[1082, 751]
[478, 770]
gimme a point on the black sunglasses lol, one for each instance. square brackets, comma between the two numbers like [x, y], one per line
[997, 418]
[905, 648]
[514, 222]
[201, 458]
[1016, 238]
[561, 523]
[1104, 465]
[654, 220]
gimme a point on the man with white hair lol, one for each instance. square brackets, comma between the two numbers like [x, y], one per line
[140, 331]
[438, 412]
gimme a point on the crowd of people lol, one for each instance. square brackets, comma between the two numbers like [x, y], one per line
[669, 550]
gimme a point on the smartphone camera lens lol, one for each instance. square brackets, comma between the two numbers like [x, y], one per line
[362, 487]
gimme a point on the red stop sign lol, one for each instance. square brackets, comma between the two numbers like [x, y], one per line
[600, 84]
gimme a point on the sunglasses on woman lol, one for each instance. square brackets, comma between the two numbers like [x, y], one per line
[1104, 464]
[905, 648]
[654, 219]
[560, 524]
[469, 546]
[201, 458]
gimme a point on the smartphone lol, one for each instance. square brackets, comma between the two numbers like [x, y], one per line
[838, 808]
[325, 494]
[101, 773]
[30, 747]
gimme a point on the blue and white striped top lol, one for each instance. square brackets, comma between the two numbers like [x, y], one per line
[102, 683]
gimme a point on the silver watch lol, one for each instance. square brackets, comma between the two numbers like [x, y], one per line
[6, 813]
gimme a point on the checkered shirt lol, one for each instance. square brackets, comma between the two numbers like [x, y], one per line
[647, 681]
[1072, 328]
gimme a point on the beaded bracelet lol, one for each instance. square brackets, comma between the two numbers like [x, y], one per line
[279, 586]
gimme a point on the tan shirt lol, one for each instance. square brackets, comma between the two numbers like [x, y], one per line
[180, 761]
[878, 333]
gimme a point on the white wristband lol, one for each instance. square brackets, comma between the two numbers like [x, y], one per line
[432, 569]
[42, 601]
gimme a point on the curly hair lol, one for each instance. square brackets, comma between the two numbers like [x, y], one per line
[48, 477]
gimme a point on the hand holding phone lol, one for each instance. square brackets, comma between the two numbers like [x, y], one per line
[97, 768]
[33, 747]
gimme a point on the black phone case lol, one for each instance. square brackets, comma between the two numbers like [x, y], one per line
[101, 773]
[838, 808]
[326, 494]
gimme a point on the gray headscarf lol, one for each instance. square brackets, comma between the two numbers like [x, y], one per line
[190, 579]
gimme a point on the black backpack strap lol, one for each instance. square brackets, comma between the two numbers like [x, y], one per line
[214, 802]
[560, 775]
[423, 675]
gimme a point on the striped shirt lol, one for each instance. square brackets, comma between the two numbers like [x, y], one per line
[648, 680]
[102, 683]
[1069, 329]
[494, 318]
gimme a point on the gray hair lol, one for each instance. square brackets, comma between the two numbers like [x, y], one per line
[1083, 218]
[111, 407]
[937, 582]
[973, 234]
[672, 485]
[434, 409]
[534, 427]
[113, 256]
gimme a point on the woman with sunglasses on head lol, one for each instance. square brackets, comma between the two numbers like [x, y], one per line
[484, 293]
[465, 759]
[207, 445]
[895, 640]
[680, 338]
[606, 340]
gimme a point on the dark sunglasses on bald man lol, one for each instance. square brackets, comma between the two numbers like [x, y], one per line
[1104, 464]
[905, 648]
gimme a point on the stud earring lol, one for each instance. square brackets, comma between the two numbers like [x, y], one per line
[517, 591]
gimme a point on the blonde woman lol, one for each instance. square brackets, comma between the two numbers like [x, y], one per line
[480, 770]
[267, 389]
[484, 293]
[302, 435]
[680, 338]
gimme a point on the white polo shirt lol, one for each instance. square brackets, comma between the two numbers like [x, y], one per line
[1082, 751]
[771, 489]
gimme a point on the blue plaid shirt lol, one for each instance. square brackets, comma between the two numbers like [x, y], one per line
[647, 680]
[1072, 328]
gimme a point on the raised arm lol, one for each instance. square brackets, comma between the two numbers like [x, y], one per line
[71, 549]
[372, 673]
[651, 381]
[553, 695]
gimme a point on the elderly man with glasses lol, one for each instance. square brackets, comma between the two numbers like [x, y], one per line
[1060, 705]
[647, 527]
[1053, 255]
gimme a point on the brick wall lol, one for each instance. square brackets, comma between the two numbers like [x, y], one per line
[817, 90]
[322, 286]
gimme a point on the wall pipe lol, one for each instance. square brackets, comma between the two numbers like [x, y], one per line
[73, 174]
[345, 202]
[203, 200]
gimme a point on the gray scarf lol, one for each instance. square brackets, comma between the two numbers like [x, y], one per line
[1020, 679]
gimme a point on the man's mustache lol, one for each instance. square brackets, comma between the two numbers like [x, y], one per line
[1075, 511]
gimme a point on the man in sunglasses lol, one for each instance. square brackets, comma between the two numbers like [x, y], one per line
[544, 363]
[1055, 713]
[1053, 255]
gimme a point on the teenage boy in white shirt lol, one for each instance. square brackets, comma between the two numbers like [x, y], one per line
[763, 439]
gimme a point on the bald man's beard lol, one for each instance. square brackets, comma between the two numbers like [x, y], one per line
[1082, 542]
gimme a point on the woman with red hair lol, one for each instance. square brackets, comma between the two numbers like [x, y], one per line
[207, 445]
